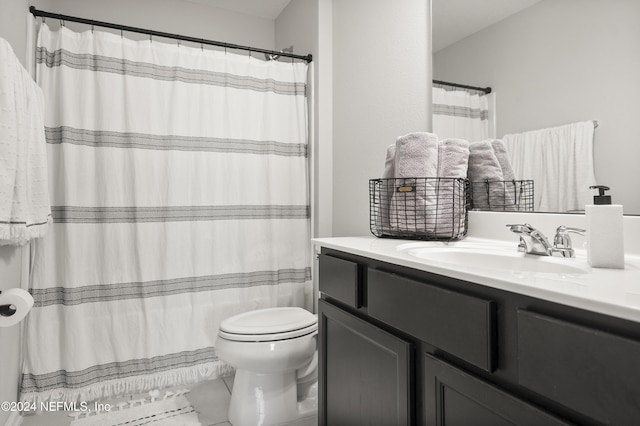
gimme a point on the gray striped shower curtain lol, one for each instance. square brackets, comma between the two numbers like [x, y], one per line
[179, 189]
[462, 113]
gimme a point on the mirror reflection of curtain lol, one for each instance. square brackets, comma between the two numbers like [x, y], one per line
[560, 162]
[462, 113]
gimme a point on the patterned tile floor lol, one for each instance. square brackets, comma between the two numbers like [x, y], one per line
[210, 399]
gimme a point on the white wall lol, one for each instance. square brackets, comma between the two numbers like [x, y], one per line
[13, 25]
[381, 89]
[298, 26]
[371, 86]
[561, 61]
[10, 276]
[172, 16]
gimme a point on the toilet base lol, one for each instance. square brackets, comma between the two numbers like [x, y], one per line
[268, 399]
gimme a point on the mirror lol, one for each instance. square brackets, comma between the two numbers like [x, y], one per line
[550, 63]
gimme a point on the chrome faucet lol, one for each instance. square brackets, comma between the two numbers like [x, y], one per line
[532, 241]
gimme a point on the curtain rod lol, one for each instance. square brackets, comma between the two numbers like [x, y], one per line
[486, 90]
[35, 12]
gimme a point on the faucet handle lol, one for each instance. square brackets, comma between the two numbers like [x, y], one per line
[562, 240]
[563, 228]
[523, 228]
[563, 231]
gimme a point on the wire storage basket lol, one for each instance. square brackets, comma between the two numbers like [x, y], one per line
[421, 208]
[502, 195]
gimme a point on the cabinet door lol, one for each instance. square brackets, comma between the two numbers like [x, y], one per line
[455, 398]
[591, 371]
[365, 373]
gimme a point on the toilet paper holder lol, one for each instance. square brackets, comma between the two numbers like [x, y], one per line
[7, 310]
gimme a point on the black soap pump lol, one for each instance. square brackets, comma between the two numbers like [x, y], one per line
[601, 198]
[605, 238]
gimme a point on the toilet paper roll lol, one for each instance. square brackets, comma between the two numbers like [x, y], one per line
[15, 304]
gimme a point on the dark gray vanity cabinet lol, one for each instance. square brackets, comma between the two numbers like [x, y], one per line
[399, 346]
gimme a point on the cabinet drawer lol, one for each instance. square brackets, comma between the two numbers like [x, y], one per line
[461, 325]
[587, 370]
[341, 279]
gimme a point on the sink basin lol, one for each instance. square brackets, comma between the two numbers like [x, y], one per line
[498, 259]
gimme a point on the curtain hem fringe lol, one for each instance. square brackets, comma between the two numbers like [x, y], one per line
[131, 385]
[21, 234]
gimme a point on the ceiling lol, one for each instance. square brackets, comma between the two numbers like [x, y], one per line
[453, 20]
[268, 9]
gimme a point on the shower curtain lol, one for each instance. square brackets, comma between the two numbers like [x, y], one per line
[462, 113]
[179, 186]
[560, 162]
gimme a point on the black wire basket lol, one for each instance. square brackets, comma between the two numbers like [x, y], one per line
[424, 208]
[502, 195]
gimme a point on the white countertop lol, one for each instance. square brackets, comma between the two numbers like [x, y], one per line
[614, 292]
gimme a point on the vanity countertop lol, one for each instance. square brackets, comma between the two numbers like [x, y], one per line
[614, 292]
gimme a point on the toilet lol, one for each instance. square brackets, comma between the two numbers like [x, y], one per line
[274, 353]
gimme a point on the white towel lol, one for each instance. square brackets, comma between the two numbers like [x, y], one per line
[24, 195]
[416, 156]
[453, 158]
[484, 167]
[500, 151]
[511, 200]
[383, 223]
[453, 162]
[389, 163]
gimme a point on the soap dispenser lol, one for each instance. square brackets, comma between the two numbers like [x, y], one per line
[605, 240]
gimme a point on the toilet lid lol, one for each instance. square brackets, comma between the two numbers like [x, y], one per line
[269, 324]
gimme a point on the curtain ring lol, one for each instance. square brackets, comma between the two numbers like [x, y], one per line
[150, 40]
[43, 18]
[91, 28]
[178, 42]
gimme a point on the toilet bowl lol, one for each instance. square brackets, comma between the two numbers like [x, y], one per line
[274, 353]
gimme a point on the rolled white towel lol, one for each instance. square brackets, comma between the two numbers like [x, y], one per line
[484, 166]
[382, 222]
[483, 163]
[453, 158]
[389, 163]
[500, 151]
[416, 156]
[453, 162]
[511, 187]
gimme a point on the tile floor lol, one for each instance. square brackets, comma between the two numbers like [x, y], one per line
[210, 399]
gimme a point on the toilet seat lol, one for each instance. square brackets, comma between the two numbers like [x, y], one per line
[270, 324]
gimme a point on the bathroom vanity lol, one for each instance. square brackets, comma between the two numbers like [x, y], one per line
[414, 338]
